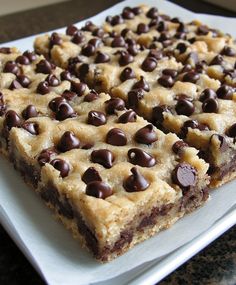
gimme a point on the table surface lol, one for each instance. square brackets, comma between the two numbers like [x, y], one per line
[216, 264]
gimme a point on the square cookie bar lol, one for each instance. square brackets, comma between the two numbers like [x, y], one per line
[110, 176]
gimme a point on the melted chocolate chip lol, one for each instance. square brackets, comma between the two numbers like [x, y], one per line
[44, 67]
[232, 131]
[83, 71]
[91, 96]
[78, 87]
[12, 120]
[140, 157]
[11, 67]
[103, 156]
[225, 92]
[15, 85]
[207, 94]
[46, 155]
[29, 112]
[114, 104]
[118, 41]
[69, 95]
[157, 114]
[134, 96]
[146, 135]
[116, 137]
[191, 76]
[78, 38]
[223, 143]
[71, 30]
[126, 74]
[21, 59]
[55, 103]
[193, 124]
[141, 84]
[98, 189]
[55, 39]
[184, 175]
[129, 116]
[23, 80]
[184, 107]
[68, 141]
[102, 57]
[142, 29]
[178, 146]
[43, 88]
[96, 118]
[210, 106]
[61, 165]
[31, 127]
[66, 75]
[149, 64]
[166, 81]
[90, 175]
[135, 182]
[62, 108]
[125, 58]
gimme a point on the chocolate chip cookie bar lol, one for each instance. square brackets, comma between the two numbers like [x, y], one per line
[111, 177]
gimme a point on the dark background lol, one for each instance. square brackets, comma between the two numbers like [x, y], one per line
[214, 265]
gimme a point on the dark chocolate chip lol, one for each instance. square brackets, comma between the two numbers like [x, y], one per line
[181, 47]
[135, 182]
[103, 156]
[171, 72]
[202, 30]
[137, 10]
[64, 111]
[182, 28]
[102, 57]
[186, 68]
[127, 117]
[207, 94]
[29, 112]
[66, 75]
[78, 87]
[225, 92]
[83, 71]
[98, 189]
[114, 104]
[142, 29]
[193, 124]
[96, 118]
[134, 96]
[90, 175]
[124, 32]
[163, 37]
[68, 141]
[78, 38]
[12, 120]
[116, 137]
[191, 76]
[46, 155]
[118, 41]
[228, 51]
[184, 175]
[98, 33]
[149, 64]
[44, 67]
[141, 84]
[31, 127]
[31, 55]
[146, 135]
[210, 106]
[5, 50]
[52, 80]
[11, 67]
[89, 26]
[125, 58]
[116, 20]
[181, 36]
[140, 157]
[166, 81]
[217, 60]
[61, 165]
[184, 107]
[95, 42]
[152, 13]
[126, 74]
[223, 143]
[55, 103]
[15, 85]
[22, 59]
[161, 27]
[43, 88]
[69, 95]
[133, 49]
[157, 54]
[178, 146]
[55, 39]
[3, 106]
[23, 80]
[88, 50]
[71, 30]
[91, 96]
[127, 13]
[232, 131]
[157, 114]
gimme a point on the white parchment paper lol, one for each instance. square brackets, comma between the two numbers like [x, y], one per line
[51, 249]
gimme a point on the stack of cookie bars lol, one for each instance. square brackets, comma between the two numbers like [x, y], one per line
[121, 128]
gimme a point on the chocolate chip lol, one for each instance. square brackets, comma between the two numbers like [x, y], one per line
[91, 96]
[55, 103]
[98, 189]
[137, 10]
[98, 33]
[12, 120]
[114, 104]
[142, 29]
[223, 143]
[29, 112]
[23, 80]
[157, 114]
[210, 106]
[162, 26]
[125, 58]
[228, 51]
[103, 156]
[178, 146]
[68, 141]
[191, 76]
[55, 39]
[44, 67]
[118, 41]
[146, 135]
[78, 87]
[149, 64]
[166, 81]
[95, 42]
[181, 36]
[202, 30]
[43, 88]
[5, 50]
[217, 60]
[31, 127]
[116, 137]
[140, 157]
[182, 28]
[31, 55]
[184, 175]
[126, 74]
[232, 131]
[89, 26]
[225, 92]
[90, 175]
[135, 182]
[207, 94]
[129, 116]
[184, 107]
[134, 96]
[127, 13]
[116, 20]
[141, 84]
[71, 30]
[171, 72]
[46, 155]
[88, 50]
[2, 105]
[52, 80]
[11, 67]
[102, 57]
[152, 13]
[66, 75]
[15, 85]
[22, 59]
[69, 95]
[163, 37]
[78, 38]
[96, 118]
[61, 165]
[186, 68]
[157, 54]
[83, 71]
[133, 49]
[64, 111]
[193, 124]
[181, 47]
